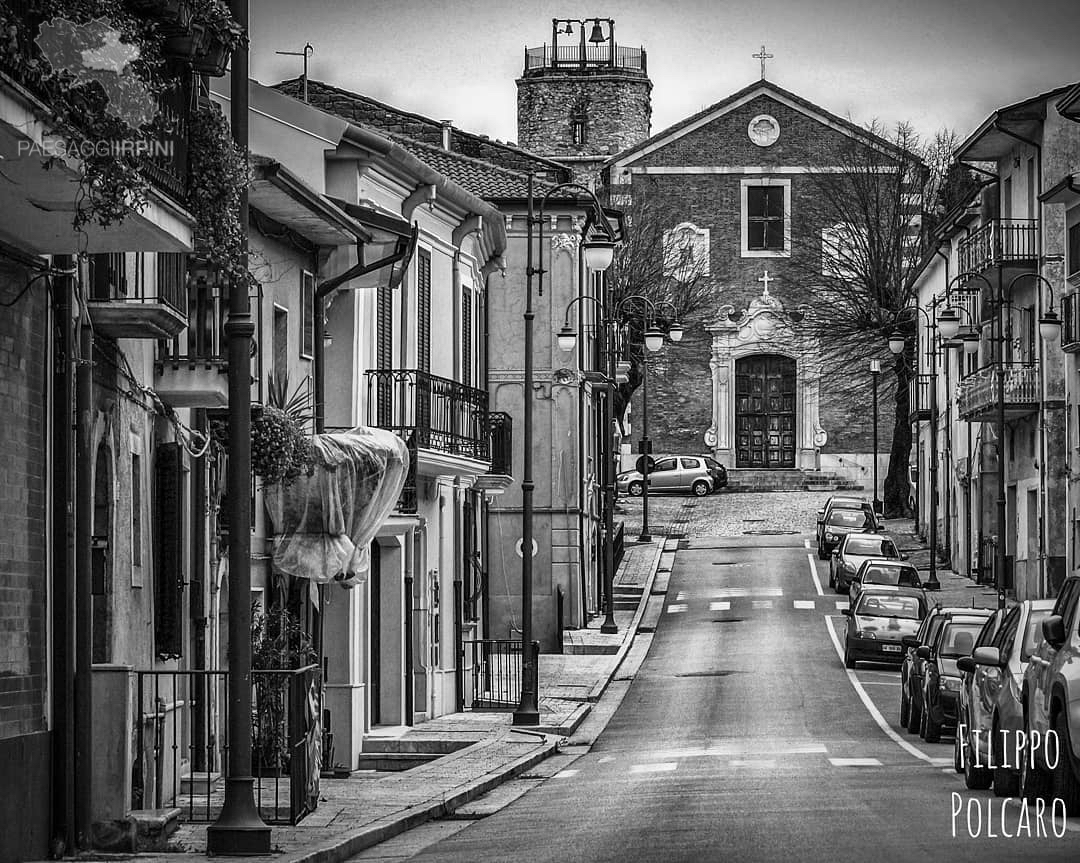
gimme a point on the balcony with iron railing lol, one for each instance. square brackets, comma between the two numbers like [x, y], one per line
[999, 243]
[977, 396]
[192, 368]
[590, 56]
[500, 427]
[138, 296]
[920, 397]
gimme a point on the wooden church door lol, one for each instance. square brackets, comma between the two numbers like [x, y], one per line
[765, 412]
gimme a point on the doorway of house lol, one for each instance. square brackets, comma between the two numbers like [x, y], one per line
[765, 412]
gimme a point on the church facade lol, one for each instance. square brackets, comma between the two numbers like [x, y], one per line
[737, 184]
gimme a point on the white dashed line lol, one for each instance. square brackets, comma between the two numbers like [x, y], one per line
[680, 596]
[607, 759]
[806, 543]
[760, 763]
[662, 767]
[881, 683]
[854, 762]
[841, 604]
[814, 575]
[941, 762]
[720, 605]
[564, 774]
[762, 603]
[676, 608]
[805, 603]
[731, 592]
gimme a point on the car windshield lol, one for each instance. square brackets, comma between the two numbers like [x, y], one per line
[958, 638]
[869, 546]
[876, 605]
[854, 518]
[1033, 633]
[891, 575]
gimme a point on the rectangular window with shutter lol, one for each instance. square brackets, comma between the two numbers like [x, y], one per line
[423, 310]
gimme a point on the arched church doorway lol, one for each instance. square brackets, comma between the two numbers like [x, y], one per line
[765, 416]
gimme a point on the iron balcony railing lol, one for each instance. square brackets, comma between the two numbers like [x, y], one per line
[920, 397]
[591, 57]
[997, 242]
[977, 394]
[204, 339]
[1070, 323]
[501, 442]
[430, 412]
[182, 743]
[497, 676]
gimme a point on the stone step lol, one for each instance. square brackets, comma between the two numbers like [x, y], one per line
[409, 745]
[394, 761]
[198, 782]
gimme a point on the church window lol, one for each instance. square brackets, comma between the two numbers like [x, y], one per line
[766, 218]
[577, 130]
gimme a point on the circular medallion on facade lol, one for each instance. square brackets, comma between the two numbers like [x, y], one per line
[764, 130]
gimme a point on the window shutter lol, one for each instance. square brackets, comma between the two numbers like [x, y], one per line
[423, 300]
[384, 350]
[466, 337]
[169, 543]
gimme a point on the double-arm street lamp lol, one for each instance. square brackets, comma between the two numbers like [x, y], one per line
[654, 339]
[598, 253]
[1049, 330]
[897, 344]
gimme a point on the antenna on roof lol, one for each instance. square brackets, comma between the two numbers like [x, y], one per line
[307, 52]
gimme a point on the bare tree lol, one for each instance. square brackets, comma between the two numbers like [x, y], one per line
[857, 261]
[659, 261]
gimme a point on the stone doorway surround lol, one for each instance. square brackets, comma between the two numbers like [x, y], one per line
[765, 327]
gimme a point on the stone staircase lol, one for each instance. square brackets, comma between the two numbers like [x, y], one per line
[748, 479]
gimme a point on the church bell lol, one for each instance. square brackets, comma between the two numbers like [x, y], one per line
[597, 35]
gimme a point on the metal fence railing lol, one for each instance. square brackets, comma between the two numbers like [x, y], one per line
[591, 56]
[497, 674]
[501, 442]
[182, 744]
[999, 241]
[978, 392]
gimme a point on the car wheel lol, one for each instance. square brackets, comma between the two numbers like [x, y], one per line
[1066, 782]
[822, 553]
[848, 661]
[1034, 784]
[957, 761]
[930, 731]
[905, 706]
[914, 716]
[636, 488]
[1006, 782]
[978, 777]
[700, 488]
[832, 581]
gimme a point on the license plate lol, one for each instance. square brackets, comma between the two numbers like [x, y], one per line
[891, 648]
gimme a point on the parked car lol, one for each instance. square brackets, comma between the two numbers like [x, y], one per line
[912, 668]
[699, 475]
[837, 501]
[964, 712]
[941, 677]
[880, 571]
[839, 523]
[913, 487]
[852, 550]
[1051, 699]
[878, 620]
[991, 710]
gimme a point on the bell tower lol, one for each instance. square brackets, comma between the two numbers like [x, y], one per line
[583, 97]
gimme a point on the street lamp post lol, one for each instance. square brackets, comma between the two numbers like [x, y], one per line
[567, 339]
[875, 372]
[598, 256]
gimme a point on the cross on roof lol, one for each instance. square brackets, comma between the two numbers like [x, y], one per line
[762, 57]
[765, 279]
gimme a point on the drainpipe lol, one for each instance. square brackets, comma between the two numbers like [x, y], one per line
[459, 611]
[410, 540]
[1042, 587]
[84, 529]
[63, 567]
[582, 275]
[948, 430]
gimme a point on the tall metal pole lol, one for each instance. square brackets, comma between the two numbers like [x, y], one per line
[646, 445]
[84, 634]
[875, 370]
[1000, 550]
[609, 626]
[528, 712]
[239, 829]
[933, 583]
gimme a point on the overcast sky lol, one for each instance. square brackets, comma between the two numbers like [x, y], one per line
[935, 63]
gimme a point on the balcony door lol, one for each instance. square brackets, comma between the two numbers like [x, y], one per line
[765, 412]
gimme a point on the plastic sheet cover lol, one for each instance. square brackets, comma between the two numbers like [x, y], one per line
[324, 523]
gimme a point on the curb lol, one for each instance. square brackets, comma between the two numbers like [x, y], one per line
[393, 825]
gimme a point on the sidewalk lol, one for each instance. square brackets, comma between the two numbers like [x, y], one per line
[367, 808]
[956, 589]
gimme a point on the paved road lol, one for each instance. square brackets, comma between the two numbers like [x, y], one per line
[743, 738]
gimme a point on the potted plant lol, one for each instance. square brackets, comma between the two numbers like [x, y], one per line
[280, 448]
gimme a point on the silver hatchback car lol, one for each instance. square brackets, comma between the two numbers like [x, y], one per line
[699, 475]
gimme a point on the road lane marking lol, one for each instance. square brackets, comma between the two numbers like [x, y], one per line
[806, 543]
[841, 604]
[733, 592]
[761, 603]
[680, 596]
[662, 767]
[676, 608]
[805, 603]
[760, 763]
[881, 683]
[941, 762]
[854, 762]
[722, 605]
[814, 575]
[607, 759]
[871, 708]
[564, 774]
